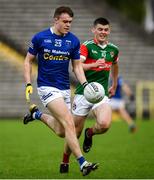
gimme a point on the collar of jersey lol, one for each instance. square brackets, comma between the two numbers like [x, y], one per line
[102, 46]
[51, 30]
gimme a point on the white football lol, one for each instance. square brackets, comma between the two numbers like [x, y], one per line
[94, 92]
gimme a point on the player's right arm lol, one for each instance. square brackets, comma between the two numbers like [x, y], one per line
[31, 54]
[28, 67]
[27, 75]
[98, 63]
[83, 57]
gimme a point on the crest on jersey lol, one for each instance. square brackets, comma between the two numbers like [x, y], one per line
[68, 43]
[58, 42]
[112, 54]
[103, 54]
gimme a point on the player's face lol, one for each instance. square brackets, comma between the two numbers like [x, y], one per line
[63, 24]
[101, 32]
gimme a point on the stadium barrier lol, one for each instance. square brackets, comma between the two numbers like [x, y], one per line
[13, 57]
[140, 87]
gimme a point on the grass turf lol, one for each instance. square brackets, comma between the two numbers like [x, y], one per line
[33, 152]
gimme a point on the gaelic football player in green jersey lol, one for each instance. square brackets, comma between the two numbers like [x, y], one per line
[99, 57]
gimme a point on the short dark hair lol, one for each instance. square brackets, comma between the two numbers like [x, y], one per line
[63, 9]
[102, 21]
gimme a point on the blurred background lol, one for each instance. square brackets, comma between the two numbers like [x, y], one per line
[132, 24]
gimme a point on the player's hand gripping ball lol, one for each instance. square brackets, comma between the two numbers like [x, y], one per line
[94, 92]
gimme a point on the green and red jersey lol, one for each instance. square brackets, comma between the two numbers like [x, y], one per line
[91, 52]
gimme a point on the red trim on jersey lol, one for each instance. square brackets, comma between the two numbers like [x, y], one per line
[95, 41]
[116, 58]
[106, 66]
[84, 50]
[89, 61]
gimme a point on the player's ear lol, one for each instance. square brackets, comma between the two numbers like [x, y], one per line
[93, 30]
[56, 19]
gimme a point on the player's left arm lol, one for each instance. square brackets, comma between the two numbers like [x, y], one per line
[114, 75]
[83, 57]
[78, 71]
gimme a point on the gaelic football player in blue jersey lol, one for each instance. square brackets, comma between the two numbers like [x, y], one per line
[55, 47]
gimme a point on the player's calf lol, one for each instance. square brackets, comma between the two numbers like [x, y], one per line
[87, 144]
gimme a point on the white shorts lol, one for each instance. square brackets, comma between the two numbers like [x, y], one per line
[81, 106]
[117, 103]
[48, 94]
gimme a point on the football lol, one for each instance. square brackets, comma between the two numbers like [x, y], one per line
[94, 92]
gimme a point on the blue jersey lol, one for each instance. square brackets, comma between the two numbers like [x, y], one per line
[54, 53]
[118, 93]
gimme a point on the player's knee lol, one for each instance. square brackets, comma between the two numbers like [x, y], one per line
[103, 129]
[104, 126]
[78, 132]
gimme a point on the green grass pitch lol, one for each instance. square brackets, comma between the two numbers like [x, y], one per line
[33, 152]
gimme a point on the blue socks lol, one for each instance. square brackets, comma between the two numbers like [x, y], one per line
[37, 115]
[81, 161]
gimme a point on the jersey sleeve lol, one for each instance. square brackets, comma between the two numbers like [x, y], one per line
[83, 51]
[33, 47]
[116, 57]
